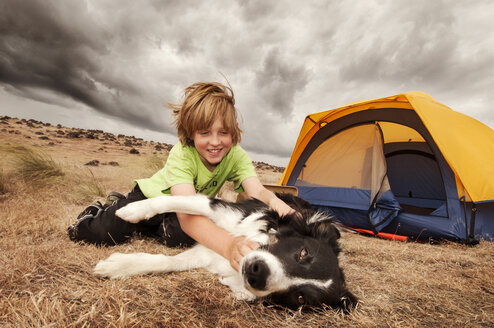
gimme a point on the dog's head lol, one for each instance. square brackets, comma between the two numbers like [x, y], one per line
[299, 267]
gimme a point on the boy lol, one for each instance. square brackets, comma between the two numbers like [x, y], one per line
[206, 156]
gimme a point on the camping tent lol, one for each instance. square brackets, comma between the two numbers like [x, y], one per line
[405, 165]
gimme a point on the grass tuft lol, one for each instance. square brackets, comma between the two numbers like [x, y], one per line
[87, 187]
[154, 163]
[34, 165]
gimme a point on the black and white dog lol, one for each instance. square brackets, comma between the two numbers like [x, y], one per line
[296, 266]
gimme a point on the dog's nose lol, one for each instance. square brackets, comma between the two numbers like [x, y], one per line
[256, 273]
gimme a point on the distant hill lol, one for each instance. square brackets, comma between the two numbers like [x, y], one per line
[51, 135]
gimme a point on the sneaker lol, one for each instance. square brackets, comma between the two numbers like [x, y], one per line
[113, 197]
[89, 212]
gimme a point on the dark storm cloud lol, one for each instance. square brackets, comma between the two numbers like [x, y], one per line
[426, 50]
[256, 10]
[280, 80]
[38, 51]
[422, 49]
[64, 48]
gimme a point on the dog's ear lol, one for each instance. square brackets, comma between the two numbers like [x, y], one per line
[294, 202]
[327, 231]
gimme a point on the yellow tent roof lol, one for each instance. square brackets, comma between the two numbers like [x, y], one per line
[466, 144]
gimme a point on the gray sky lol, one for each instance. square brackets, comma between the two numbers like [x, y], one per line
[115, 64]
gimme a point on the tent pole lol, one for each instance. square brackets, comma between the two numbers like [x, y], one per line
[462, 200]
[471, 237]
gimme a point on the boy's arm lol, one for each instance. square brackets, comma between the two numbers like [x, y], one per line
[205, 232]
[254, 188]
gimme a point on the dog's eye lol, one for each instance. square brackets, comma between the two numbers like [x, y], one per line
[301, 300]
[303, 254]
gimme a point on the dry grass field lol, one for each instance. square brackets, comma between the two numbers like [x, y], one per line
[47, 281]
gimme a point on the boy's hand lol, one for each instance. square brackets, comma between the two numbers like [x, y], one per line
[238, 248]
[281, 207]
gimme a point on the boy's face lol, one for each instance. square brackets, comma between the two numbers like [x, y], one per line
[212, 144]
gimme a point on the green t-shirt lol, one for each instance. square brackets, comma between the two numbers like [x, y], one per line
[185, 166]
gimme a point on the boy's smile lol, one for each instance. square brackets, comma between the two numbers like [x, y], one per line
[212, 144]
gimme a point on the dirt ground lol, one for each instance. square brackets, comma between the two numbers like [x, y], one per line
[47, 281]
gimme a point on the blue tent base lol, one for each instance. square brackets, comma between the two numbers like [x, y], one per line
[452, 220]
[417, 227]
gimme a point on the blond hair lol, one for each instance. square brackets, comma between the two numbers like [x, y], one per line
[203, 103]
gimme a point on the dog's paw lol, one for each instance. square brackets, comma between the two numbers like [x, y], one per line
[243, 295]
[117, 265]
[237, 288]
[134, 212]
